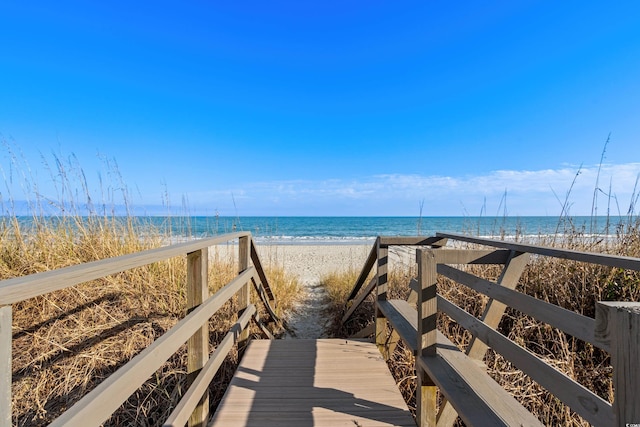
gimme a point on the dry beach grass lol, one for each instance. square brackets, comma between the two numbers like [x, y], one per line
[572, 285]
[66, 342]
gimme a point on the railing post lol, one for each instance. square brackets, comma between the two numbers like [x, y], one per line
[618, 323]
[5, 365]
[427, 336]
[381, 294]
[198, 344]
[244, 246]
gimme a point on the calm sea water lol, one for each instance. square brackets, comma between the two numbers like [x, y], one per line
[304, 230]
[350, 230]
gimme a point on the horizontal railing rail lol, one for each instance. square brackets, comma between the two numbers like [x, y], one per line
[415, 324]
[96, 406]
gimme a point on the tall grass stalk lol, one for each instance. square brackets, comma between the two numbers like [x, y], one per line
[66, 342]
[572, 285]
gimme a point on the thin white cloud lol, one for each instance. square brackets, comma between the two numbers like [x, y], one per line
[529, 192]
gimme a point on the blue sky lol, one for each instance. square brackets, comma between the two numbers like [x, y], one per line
[323, 108]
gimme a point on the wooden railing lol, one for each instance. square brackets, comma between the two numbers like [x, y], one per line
[96, 406]
[468, 390]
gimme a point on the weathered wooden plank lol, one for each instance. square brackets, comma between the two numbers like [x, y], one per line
[260, 272]
[25, 287]
[427, 303]
[426, 337]
[368, 330]
[575, 324]
[316, 417]
[364, 273]
[477, 398]
[630, 263]
[266, 332]
[198, 343]
[494, 310]
[200, 384]
[261, 291]
[386, 241]
[472, 256]
[618, 324]
[582, 400]
[403, 318]
[382, 288]
[99, 404]
[347, 382]
[361, 297]
[5, 365]
[244, 294]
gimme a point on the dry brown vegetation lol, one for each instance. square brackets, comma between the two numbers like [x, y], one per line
[66, 342]
[572, 285]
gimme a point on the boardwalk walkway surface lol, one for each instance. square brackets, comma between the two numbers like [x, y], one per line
[302, 383]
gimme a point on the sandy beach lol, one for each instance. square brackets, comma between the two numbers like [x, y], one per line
[310, 263]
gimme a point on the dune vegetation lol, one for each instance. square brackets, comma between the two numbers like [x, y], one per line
[572, 285]
[66, 342]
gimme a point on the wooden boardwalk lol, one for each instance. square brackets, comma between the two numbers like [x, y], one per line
[327, 382]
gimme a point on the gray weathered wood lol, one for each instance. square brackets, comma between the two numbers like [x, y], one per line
[198, 343]
[302, 383]
[25, 287]
[472, 256]
[403, 318]
[5, 365]
[386, 241]
[427, 302]
[492, 315]
[361, 297]
[582, 400]
[368, 330]
[260, 290]
[382, 287]
[99, 404]
[255, 259]
[478, 399]
[244, 294]
[364, 273]
[427, 316]
[630, 263]
[265, 331]
[575, 324]
[200, 384]
[618, 325]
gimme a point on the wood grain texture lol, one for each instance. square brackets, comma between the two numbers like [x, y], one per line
[25, 287]
[198, 343]
[327, 382]
[582, 400]
[5, 365]
[575, 324]
[99, 404]
[630, 263]
[618, 323]
[353, 306]
[200, 384]
[478, 399]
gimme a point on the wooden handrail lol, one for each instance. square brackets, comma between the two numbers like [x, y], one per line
[96, 406]
[618, 261]
[26, 287]
[418, 328]
[183, 410]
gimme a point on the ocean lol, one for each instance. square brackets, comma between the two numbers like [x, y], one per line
[354, 230]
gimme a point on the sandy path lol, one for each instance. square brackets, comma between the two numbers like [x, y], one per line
[310, 263]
